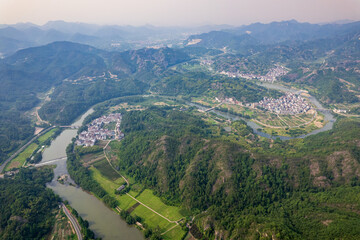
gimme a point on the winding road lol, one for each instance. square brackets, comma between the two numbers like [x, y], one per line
[73, 221]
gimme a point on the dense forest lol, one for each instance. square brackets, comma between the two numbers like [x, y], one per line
[27, 207]
[194, 84]
[244, 187]
[236, 184]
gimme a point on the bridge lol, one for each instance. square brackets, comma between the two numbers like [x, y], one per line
[323, 109]
[72, 127]
[209, 109]
[50, 161]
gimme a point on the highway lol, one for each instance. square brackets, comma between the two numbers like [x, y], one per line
[73, 221]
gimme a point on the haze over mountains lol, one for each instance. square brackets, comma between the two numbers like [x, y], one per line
[121, 38]
[237, 184]
[23, 35]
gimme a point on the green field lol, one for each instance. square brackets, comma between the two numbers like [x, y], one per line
[175, 233]
[44, 137]
[125, 201]
[106, 170]
[21, 158]
[152, 219]
[171, 212]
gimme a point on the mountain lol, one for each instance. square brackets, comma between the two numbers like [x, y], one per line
[241, 38]
[276, 32]
[59, 60]
[109, 37]
[225, 41]
[243, 189]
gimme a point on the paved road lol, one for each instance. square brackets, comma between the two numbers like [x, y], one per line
[3, 165]
[73, 221]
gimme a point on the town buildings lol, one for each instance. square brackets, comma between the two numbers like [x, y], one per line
[97, 132]
[290, 103]
[269, 77]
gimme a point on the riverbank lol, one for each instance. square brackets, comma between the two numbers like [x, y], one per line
[328, 118]
[104, 222]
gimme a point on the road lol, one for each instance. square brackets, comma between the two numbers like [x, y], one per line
[73, 221]
[153, 210]
[176, 222]
[127, 182]
[3, 165]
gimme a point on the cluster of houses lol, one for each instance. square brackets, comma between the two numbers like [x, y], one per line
[269, 77]
[234, 101]
[97, 132]
[289, 104]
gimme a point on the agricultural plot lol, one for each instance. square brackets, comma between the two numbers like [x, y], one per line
[21, 158]
[174, 234]
[109, 186]
[283, 121]
[152, 219]
[106, 170]
[90, 158]
[171, 212]
[47, 135]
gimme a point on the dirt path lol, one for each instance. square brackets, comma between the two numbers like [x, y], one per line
[127, 182]
[176, 222]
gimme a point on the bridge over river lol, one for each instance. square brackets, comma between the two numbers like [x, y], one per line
[50, 161]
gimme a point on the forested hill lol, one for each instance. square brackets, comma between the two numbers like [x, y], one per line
[27, 208]
[82, 76]
[241, 186]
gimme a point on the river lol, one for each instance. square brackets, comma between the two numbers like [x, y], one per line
[328, 117]
[104, 222]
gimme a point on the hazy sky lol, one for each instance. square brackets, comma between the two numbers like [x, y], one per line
[177, 12]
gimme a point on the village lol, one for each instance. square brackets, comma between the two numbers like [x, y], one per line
[269, 77]
[96, 130]
[290, 104]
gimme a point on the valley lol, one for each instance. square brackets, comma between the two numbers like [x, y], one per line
[228, 134]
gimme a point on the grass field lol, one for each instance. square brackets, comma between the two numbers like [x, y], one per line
[106, 170]
[91, 157]
[152, 219]
[171, 212]
[21, 158]
[44, 137]
[125, 201]
[176, 233]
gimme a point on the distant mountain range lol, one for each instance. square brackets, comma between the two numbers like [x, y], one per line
[23, 35]
[121, 38]
[240, 38]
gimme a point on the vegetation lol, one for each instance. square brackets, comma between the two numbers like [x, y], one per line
[22, 158]
[33, 153]
[235, 189]
[194, 84]
[27, 207]
[86, 232]
[179, 161]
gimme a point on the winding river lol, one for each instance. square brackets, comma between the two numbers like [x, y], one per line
[328, 117]
[104, 222]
